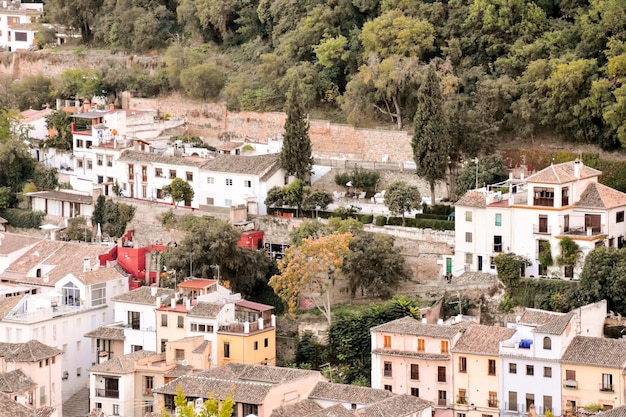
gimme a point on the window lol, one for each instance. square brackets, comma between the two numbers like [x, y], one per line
[547, 403]
[109, 162]
[387, 341]
[530, 370]
[512, 368]
[226, 350]
[442, 397]
[544, 197]
[210, 180]
[256, 345]
[79, 163]
[158, 172]
[180, 354]
[116, 409]
[247, 183]
[42, 394]
[468, 237]
[469, 258]
[99, 160]
[134, 348]
[468, 216]
[497, 244]
[570, 375]
[181, 322]
[593, 222]
[547, 372]
[144, 191]
[98, 294]
[492, 367]
[250, 409]
[462, 364]
[444, 346]
[530, 401]
[547, 343]
[415, 392]
[619, 216]
[144, 173]
[512, 401]
[133, 320]
[71, 295]
[607, 382]
[462, 396]
[189, 176]
[441, 374]
[387, 370]
[543, 224]
[79, 371]
[498, 219]
[493, 399]
[148, 383]
[415, 372]
[266, 342]
[163, 320]
[420, 345]
[228, 202]
[388, 388]
[21, 36]
[172, 174]
[163, 345]
[229, 181]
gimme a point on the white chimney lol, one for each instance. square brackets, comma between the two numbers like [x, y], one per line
[158, 302]
[424, 320]
[577, 168]
[440, 321]
[153, 291]
[173, 303]
[86, 265]
[188, 304]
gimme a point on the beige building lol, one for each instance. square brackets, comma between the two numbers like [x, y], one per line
[476, 370]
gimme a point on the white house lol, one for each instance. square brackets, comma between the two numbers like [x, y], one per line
[525, 217]
[66, 204]
[12, 17]
[530, 360]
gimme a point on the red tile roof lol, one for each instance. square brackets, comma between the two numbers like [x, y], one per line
[197, 283]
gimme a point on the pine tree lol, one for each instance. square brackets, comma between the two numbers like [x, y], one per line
[295, 155]
[430, 138]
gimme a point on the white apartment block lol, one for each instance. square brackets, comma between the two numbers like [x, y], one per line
[16, 29]
[563, 200]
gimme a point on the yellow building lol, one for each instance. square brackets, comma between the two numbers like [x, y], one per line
[171, 322]
[592, 372]
[476, 367]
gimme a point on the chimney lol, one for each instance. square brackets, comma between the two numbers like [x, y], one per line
[188, 304]
[440, 321]
[577, 167]
[111, 107]
[86, 106]
[424, 320]
[58, 104]
[153, 291]
[158, 302]
[86, 265]
[173, 303]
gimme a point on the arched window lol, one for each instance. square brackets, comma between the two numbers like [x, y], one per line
[547, 343]
[38, 273]
[71, 295]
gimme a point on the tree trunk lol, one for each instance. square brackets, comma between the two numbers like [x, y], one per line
[432, 193]
[398, 114]
[403, 220]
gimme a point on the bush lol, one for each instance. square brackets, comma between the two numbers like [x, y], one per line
[380, 220]
[23, 218]
[342, 179]
[366, 218]
[394, 221]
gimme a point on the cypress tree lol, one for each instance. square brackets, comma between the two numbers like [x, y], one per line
[430, 138]
[295, 155]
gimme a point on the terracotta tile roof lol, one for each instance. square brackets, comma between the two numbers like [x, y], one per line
[536, 317]
[201, 347]
[562, 173]
[7, 304]
[261, 165]
[13, 242]
[413, 354]
[143, 295]
[199, 385]
[121, 364]
[203, 309]
[137, 156]
[253, 306]
[484, 340]
[396, 406]
[99, 275]
[472, 199]
[15, 382]
[409, 325]
[31, 351]
[596, 351]
[302, 408]
[336, 410]
[107, 332]
[62, 196]
[197, 283]
[12, 408]
[56, 260]
[229, 146]
[31, 115]
[616, 412]
[180, 370]
[556, 326]
[46, 411]
[348, 393]
[600, 196]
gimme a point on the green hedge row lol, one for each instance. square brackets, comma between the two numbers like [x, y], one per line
[23, 218]
[418, 223]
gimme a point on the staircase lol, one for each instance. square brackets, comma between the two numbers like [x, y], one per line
[77, 405]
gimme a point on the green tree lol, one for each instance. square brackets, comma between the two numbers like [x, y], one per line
[45, 178]
[604, 277]
[430, 138]
[491, 170]
[179, 190]
[79, 229]
[97, 217]
[509, 267]
[295, 155]
[178, 58]
[203, 82]
[76, 14]
[316, 199]
[212, 407]
[61, 124]
[374, 265]
[569, 256]
[545, 255]
[5, 197]
[16, 164]
[401, 197]
[34, 91]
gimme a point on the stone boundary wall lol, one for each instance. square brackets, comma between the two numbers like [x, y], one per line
[330, 140]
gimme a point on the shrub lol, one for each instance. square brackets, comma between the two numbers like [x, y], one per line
[380, 220]
[23, 218]
[342, 178]
[366, 218]
[394, 221]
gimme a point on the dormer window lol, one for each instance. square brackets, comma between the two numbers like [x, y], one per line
[544, 197]
[71, 295]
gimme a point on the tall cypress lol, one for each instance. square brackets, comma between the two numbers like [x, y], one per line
[295, 155]
[430, 137]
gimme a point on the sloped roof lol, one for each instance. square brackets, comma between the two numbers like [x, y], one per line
[13, 242]
[199, 385]
[413, 354]
[107, 333]
[12, 408]
[253, 306]
[15, 381]
[180, 370]
[203, 309]
[472, 199]
[121, 364]
[137, 156]
[348, 393]
[396, 406]
[597, 195]
[409, 325]
[336, 410]
[302, 408]
[596, 351]
[98, 276]
[31, 351]
[31, 115]
[62, 196]
[616, 412]
[200, 283]
[483, 340]
[143, 295]
[261, 165]
[556, 326]
[201, 347]
[536, 317]
[8, 303]
[562, 173]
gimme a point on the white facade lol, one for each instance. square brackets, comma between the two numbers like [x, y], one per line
[65, 204]
[563, 200]
[12, 15]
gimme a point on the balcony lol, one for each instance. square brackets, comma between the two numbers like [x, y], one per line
[570, 383]
[492, 403]
[582, 231]
[606, 388]
[543, 202]
[542, 229]
[442, 402]
[461, 400]
[107, 393]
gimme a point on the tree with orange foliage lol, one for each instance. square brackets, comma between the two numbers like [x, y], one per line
[309, 270]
